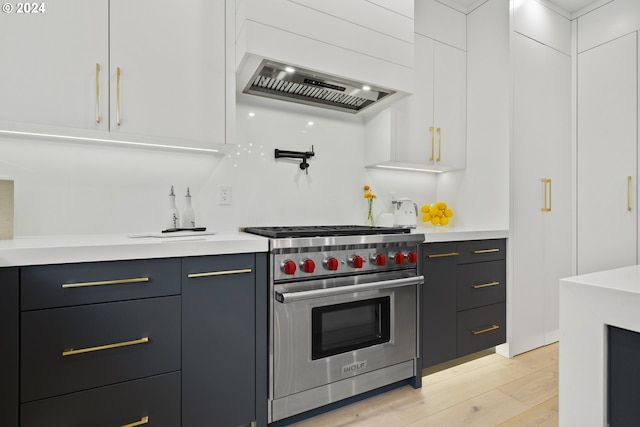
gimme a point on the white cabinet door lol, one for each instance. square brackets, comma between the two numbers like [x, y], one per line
[172, 69]
[430, 125]
[541, 243]
[413, 115]
[450, 106]
[607, 156]
[48, 67]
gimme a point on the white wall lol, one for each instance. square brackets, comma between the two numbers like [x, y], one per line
[480, 193]
[76, 188]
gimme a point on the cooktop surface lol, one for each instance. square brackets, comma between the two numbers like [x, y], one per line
[323, 231]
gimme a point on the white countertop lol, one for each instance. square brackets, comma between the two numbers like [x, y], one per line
[588, 304]
[41, 250]
[22, 251]
[452, 234]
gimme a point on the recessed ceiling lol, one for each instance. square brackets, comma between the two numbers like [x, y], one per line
[570, 6]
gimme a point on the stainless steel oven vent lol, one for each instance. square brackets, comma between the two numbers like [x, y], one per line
[279, 81]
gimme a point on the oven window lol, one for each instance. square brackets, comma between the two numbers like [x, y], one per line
[349, 326]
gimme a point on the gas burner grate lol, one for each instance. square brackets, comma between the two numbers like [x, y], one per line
[323, 231]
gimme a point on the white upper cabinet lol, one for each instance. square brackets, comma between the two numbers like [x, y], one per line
[367, 41]
[427, 130]
[608, 22]
[144, 71]
[172, 74]
[54, 68]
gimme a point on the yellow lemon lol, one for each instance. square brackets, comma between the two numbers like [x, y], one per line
[433, 210]
[440, 214]
[441, 205]
[448, 213]
[435, 220]
[425, 208]
[426, 217]
[444, 220]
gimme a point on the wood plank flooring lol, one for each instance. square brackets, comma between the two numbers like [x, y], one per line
[491, 391]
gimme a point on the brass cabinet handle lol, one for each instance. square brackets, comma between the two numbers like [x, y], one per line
[106, 282]
[486, 251]
[218, 273]
[439, 144]
[98, 118]
[143, 420]
[485, 285]
[546, 182]
[483, 331]
[432, 143]
[443, 255]
[629, 193]
[71, 351]
[118, 104]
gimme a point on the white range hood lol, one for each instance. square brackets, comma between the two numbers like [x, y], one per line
[347, 56]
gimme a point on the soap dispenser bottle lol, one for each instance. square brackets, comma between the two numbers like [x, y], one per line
[188, 216]
[173, 218]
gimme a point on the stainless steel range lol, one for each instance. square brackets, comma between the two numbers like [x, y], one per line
[343, 313]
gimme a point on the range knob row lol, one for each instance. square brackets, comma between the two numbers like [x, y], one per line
[289, 267]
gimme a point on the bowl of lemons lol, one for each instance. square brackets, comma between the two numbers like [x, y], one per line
[437, 214]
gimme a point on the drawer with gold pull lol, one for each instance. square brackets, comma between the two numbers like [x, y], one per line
[480, 284]
[147, 402]
[482, 250]
[69, 349]
[481, 328]
[64, 285]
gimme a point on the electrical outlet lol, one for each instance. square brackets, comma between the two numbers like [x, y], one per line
[225, 194]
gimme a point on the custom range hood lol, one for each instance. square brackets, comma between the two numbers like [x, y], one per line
[335, 49]
[295, 84]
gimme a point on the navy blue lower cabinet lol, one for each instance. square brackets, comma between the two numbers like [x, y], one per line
[9, 320]
[218, 340]
[439, 312]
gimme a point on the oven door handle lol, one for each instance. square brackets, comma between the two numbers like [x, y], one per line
[287, 297]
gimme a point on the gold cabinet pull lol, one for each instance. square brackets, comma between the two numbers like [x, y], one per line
[485, 285]
[71, 351]
[546, 183]
[629, 193]
[98, 118]
[106, 282]
[143, 420]
[432, 143]
[486, 251]
[118, 104]
[218, 273]
[443, 255]
[439, 144]
[484, 331]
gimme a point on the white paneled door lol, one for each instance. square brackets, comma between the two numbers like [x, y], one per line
[541, 191]
[607, 156]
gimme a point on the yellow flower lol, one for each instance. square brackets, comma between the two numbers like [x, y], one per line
[368, 195]
[366, 188]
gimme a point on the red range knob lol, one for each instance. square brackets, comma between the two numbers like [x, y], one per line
[308, 266]
[356, 261]
[379, 259]
[288, 267]
[412, 257]
[398, 258]
[331, 264]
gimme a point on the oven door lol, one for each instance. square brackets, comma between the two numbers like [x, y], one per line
[325, 335]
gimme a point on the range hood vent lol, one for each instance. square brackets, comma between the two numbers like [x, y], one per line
[279, 81]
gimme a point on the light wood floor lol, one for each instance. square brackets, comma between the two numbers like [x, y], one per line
[491, 391]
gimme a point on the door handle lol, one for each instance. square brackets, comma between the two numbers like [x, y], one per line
[629, 193]
[432, 143]
[546, 183]
[439, 130]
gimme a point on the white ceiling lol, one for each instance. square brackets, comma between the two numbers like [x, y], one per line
[570, 6]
